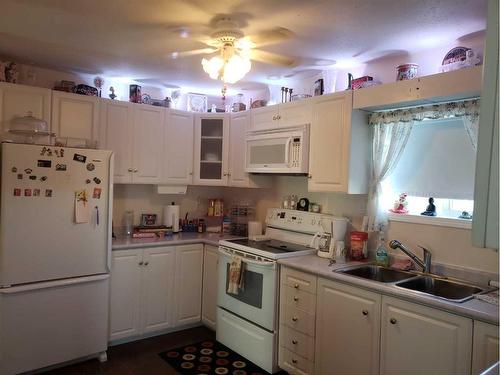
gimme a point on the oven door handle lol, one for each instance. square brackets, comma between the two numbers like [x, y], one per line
[257, 263]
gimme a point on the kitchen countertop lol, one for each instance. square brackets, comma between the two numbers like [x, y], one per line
[474, 308]
[124, 242]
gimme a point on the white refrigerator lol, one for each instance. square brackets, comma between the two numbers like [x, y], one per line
[55, 254]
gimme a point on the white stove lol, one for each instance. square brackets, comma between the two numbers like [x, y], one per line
[289, 233]
[247, 321]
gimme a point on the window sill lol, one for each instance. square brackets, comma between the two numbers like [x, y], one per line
[432, 220]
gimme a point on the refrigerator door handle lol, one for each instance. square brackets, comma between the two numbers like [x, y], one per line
[53, 284]
[110, 211]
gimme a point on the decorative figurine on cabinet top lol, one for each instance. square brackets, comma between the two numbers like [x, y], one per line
[431, 208]
[400, 205]
[112, 93]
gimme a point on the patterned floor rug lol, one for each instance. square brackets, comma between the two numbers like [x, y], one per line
[210, 357]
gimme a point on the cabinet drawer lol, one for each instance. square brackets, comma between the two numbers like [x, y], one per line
[294, 364]
[298, 280]
[297, 298]
[297, 342]
[299, 320]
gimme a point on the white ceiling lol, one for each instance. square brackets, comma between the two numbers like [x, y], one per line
[131, 38]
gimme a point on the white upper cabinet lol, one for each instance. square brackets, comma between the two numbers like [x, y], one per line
[211, 149]
[148, 144]
[422, 340]
[178, 143]
[485, 221]
[117, 135]
[237, 150]
[75, 116]
[134, 132]
[340, 146]
[458, 84]
[295, 113]
[18, 100]
[281, 115]
[264, 118]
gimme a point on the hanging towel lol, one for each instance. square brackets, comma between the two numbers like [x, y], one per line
[235, 275]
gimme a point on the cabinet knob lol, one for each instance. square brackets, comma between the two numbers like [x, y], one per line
[146, 263]
[296, 286]
[278, 117]
[135, 170]
[274, 117]
[295, 298]
[393, 321]
[141, 263]
[365, 312]
[294, 319]
[190, 173]
[294, 361]
[295, 342]
[130, 170]
[309, 176]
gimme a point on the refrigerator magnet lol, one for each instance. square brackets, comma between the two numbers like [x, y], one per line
[27, 192]
[96, 194]
[90, 167]
[17, 192]
[49, 152]
[19, 176]
[36, 192]
[48, 193]
[32, 177]
[14, 170]
[28, 170]
[44, 163]
[44, 150]
[56, 152]
[97, 180]
[88, 181]
[43, 178]
[61, 152]
[79, 158]
[61, 167]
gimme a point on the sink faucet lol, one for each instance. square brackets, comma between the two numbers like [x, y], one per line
[425, 264]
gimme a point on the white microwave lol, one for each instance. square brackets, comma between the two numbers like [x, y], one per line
[278, 151]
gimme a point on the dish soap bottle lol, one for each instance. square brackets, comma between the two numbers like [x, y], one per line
[381, 255]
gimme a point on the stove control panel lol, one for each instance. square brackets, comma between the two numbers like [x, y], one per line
[299, 221]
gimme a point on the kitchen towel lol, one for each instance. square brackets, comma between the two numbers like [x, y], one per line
[236, 271]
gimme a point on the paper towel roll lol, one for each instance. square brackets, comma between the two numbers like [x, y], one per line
[254, 228]
[171, 217]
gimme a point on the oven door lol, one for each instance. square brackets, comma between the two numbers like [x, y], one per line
[257, 301]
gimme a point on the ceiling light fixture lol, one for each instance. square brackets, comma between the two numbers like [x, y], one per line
[230, 66]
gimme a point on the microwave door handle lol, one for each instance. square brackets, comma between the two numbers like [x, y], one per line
[287, 152]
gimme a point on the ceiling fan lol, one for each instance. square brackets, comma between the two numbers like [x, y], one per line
[235, 50]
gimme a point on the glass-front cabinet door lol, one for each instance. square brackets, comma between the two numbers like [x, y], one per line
[211, 149]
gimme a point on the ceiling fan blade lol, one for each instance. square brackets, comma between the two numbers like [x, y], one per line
[272, 36]
[271, 58]
[201, 51]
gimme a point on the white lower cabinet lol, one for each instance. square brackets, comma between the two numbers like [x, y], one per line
[158, 288]
[154, 289]
[347, 329]
[209, 299]
[417, 340]
[125, 294]
[485, 347]
[188, 283]
[297, 322]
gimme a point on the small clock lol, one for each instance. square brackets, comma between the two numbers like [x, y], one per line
[303, 204]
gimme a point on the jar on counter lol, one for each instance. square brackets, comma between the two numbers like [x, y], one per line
[219, 207]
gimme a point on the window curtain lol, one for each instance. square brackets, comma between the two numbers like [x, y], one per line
[390, 136]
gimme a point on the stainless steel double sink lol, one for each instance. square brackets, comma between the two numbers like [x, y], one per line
[432, 285]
